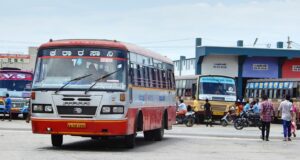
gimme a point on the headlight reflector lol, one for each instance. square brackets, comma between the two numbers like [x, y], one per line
[106, 109]
[118, 109]
[37, 108]
[48, 108]
[42, 108]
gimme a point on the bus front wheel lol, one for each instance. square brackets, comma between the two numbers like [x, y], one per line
[130, 141]
[56, 140]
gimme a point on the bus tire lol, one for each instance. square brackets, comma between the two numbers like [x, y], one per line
[148, 135]
[25, 115]
[130, 141]
[57, 140]
[14, 115]
[159, 133]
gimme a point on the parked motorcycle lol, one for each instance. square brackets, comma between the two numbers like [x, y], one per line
[188, 119]
[229, 117]
[247, 119]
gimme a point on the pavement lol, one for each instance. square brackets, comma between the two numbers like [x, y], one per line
[197, 142]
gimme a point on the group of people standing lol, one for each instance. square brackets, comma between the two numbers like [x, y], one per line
[182, 109]
[264, 108]
[288, 115]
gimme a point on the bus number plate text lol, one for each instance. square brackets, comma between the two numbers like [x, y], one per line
[76, 125]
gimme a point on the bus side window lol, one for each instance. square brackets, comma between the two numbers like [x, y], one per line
[173, 86]
[131, 74]
[163, 79]
[145, 73]
[139, 75]
[188, 88]
[135, 75]
[153, 80]
[194, 88]
[159, 78]
[149, 76]
[179, 87]
[168, 80]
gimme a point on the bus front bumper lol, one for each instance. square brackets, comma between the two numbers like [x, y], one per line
[80, 127]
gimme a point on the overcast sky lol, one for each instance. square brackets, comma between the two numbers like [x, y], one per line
[165, 26]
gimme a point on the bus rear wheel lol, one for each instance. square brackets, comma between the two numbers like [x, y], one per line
[148, 135]
[158, 134]
[56, 140]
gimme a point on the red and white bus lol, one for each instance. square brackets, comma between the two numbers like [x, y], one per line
[101, 88]
[17, 84]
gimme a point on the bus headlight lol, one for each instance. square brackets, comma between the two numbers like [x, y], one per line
[117, 109]
[37, 108]
[106, 109]
[42, 108]
[48, 108]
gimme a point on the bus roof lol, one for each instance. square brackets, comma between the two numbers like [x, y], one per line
[274, 80]
[196, 76]
[187, 77]
[106, 44]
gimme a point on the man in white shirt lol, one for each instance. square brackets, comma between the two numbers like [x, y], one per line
[182, 109]
[286, 108]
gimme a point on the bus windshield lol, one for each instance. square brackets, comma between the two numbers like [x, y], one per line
[15, 81]
[213, 86]
[55, 67]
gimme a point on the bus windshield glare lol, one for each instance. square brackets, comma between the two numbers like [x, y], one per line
[217, 86]
[15, 81]
[56, 67]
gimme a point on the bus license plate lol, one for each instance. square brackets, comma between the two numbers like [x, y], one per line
[218, 113]
[76, 125]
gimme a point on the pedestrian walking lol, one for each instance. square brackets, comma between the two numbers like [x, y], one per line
[266, 113]
[294, 116]
[286, 115]
[208, 113]
[7, 107]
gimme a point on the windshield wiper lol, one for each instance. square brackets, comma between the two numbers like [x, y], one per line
[100, 78]
[72, 80]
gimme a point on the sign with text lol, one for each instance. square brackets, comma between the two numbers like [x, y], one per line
[80, 52]
[260, 67]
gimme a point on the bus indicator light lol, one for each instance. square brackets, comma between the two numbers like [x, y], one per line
[122, 97]
[33, 95]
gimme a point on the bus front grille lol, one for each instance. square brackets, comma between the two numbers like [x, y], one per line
[218, 108]
[77, 110]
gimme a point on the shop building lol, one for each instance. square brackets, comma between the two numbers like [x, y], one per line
[247, 63]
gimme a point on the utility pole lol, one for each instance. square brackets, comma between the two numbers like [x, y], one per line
[289, 43]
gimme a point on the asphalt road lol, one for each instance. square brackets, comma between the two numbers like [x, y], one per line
[199, 142]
